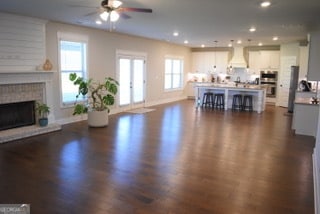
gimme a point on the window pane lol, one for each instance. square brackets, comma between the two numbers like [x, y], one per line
[71, 55]
[167, 81]
[72, 60]
[69, 89]
[176, 83]
[168, 66]
[176, 67]
[173, 73]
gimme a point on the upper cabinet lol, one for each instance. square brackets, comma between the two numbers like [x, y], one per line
[314, 57]
[261, 60]
[254, 62]
[269, 59]
[204, 62]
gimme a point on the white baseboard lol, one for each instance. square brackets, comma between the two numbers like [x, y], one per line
[164, 101]
[78, 118]
[316, 180]
[72, 119]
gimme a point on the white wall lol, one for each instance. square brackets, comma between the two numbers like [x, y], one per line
[22, 43]
[102, 48]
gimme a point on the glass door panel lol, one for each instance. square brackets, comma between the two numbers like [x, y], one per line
[124, 81]
[138, 80]
[131, 71]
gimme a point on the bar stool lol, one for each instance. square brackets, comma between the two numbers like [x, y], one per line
[237, 102]
[247, 103]
[207, 99]
[218, 100]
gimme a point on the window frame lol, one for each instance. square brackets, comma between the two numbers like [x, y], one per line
[78, 39]
[172, 73]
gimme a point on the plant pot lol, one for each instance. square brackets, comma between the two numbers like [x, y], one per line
[98, 118]
[43, 122]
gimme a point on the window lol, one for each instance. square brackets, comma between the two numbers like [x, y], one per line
[173, 73]
[73, 59]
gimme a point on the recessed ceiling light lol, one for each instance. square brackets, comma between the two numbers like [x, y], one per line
[186, 42]
[275, 38]
[175, 33]
[229, 45]
[252, 29]
[98, 22]
[239, 41]
[260, 44]
[203, 46]
[265, 4]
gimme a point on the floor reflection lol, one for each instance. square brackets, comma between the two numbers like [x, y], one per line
[128, 145]
[170, 133]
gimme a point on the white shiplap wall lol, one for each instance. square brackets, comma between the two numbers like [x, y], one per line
[22, 43]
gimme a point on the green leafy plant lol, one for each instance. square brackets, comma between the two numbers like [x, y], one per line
[42, 109]
[100, 95]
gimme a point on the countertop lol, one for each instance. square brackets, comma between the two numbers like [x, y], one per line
[305, 101]
[231, 86]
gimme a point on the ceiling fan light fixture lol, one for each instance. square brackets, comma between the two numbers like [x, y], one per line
[104, 16]
[116, 4]
[265, 4]
[114, 16]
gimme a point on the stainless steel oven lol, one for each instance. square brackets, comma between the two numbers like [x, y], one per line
[269, 80]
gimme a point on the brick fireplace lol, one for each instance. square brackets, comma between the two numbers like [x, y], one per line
[16, 87]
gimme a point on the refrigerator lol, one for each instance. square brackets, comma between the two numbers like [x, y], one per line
[293, 87]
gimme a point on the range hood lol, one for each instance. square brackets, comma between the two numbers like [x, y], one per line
[238, 60]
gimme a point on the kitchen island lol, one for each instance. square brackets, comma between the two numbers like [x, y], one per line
[258, 93]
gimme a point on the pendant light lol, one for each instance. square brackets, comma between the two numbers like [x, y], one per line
[249, 40]
[229, 68]
[215, 57]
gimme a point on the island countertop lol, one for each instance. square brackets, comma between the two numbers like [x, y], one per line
[258, 92]
[230, 86]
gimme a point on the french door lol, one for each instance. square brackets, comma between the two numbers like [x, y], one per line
[131, 76]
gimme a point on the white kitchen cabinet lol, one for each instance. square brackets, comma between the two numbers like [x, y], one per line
[254, 62]
[203, 62]
[269, 59]
[190, 90]
[305, 119]
[314, 57]
[262, 60]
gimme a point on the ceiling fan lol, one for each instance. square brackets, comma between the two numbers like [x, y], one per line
[114, 10]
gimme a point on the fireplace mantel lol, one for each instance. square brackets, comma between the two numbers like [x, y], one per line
[11, 77]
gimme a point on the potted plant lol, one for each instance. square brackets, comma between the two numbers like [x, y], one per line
[43, 110]
[100, 95]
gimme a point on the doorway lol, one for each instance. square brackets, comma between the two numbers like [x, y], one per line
[131, 74]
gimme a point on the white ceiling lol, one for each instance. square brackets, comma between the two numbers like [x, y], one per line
[198, 21]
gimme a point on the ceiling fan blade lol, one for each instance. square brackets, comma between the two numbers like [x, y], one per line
[124, 16]
[132, 9]
[91, 14]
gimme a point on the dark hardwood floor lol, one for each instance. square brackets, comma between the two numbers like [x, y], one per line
[174, 160]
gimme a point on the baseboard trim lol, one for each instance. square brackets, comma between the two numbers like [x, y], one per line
[164, 101]
[82, 117]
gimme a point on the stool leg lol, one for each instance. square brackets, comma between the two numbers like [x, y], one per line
[204, 100]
